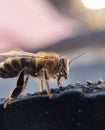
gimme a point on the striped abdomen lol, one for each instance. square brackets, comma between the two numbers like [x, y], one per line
[12, 66]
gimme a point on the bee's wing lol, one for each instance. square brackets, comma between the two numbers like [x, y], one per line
[16, 53]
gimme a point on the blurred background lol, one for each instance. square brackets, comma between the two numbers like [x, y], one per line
[67, 27]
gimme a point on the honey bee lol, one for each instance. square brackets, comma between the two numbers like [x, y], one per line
[41, 65]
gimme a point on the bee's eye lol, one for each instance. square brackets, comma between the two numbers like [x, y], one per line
[36, 74]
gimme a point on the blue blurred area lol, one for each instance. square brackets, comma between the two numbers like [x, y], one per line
[80, 73]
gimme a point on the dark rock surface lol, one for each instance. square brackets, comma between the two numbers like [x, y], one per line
[75, 107]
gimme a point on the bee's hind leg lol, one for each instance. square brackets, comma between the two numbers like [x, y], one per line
[20, 86]
[47, 84]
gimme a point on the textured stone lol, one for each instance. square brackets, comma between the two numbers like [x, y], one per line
[75, 107]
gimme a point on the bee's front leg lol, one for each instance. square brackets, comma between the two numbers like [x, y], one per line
[46, 76]
[58, 82]
[20, 86]
[41, 85]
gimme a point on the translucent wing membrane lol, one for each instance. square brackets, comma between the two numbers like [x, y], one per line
[16, 53]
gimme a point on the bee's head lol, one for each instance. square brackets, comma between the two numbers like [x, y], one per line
[64, 67]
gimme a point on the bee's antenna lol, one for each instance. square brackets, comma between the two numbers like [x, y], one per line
[76, 57]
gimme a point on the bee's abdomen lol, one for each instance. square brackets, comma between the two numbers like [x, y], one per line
[11, 67]
[27, 62]
[15, 64]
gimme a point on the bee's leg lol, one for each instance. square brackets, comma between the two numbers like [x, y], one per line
[58, 82]
[41, 85]
[20, 86]
[47, 84]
